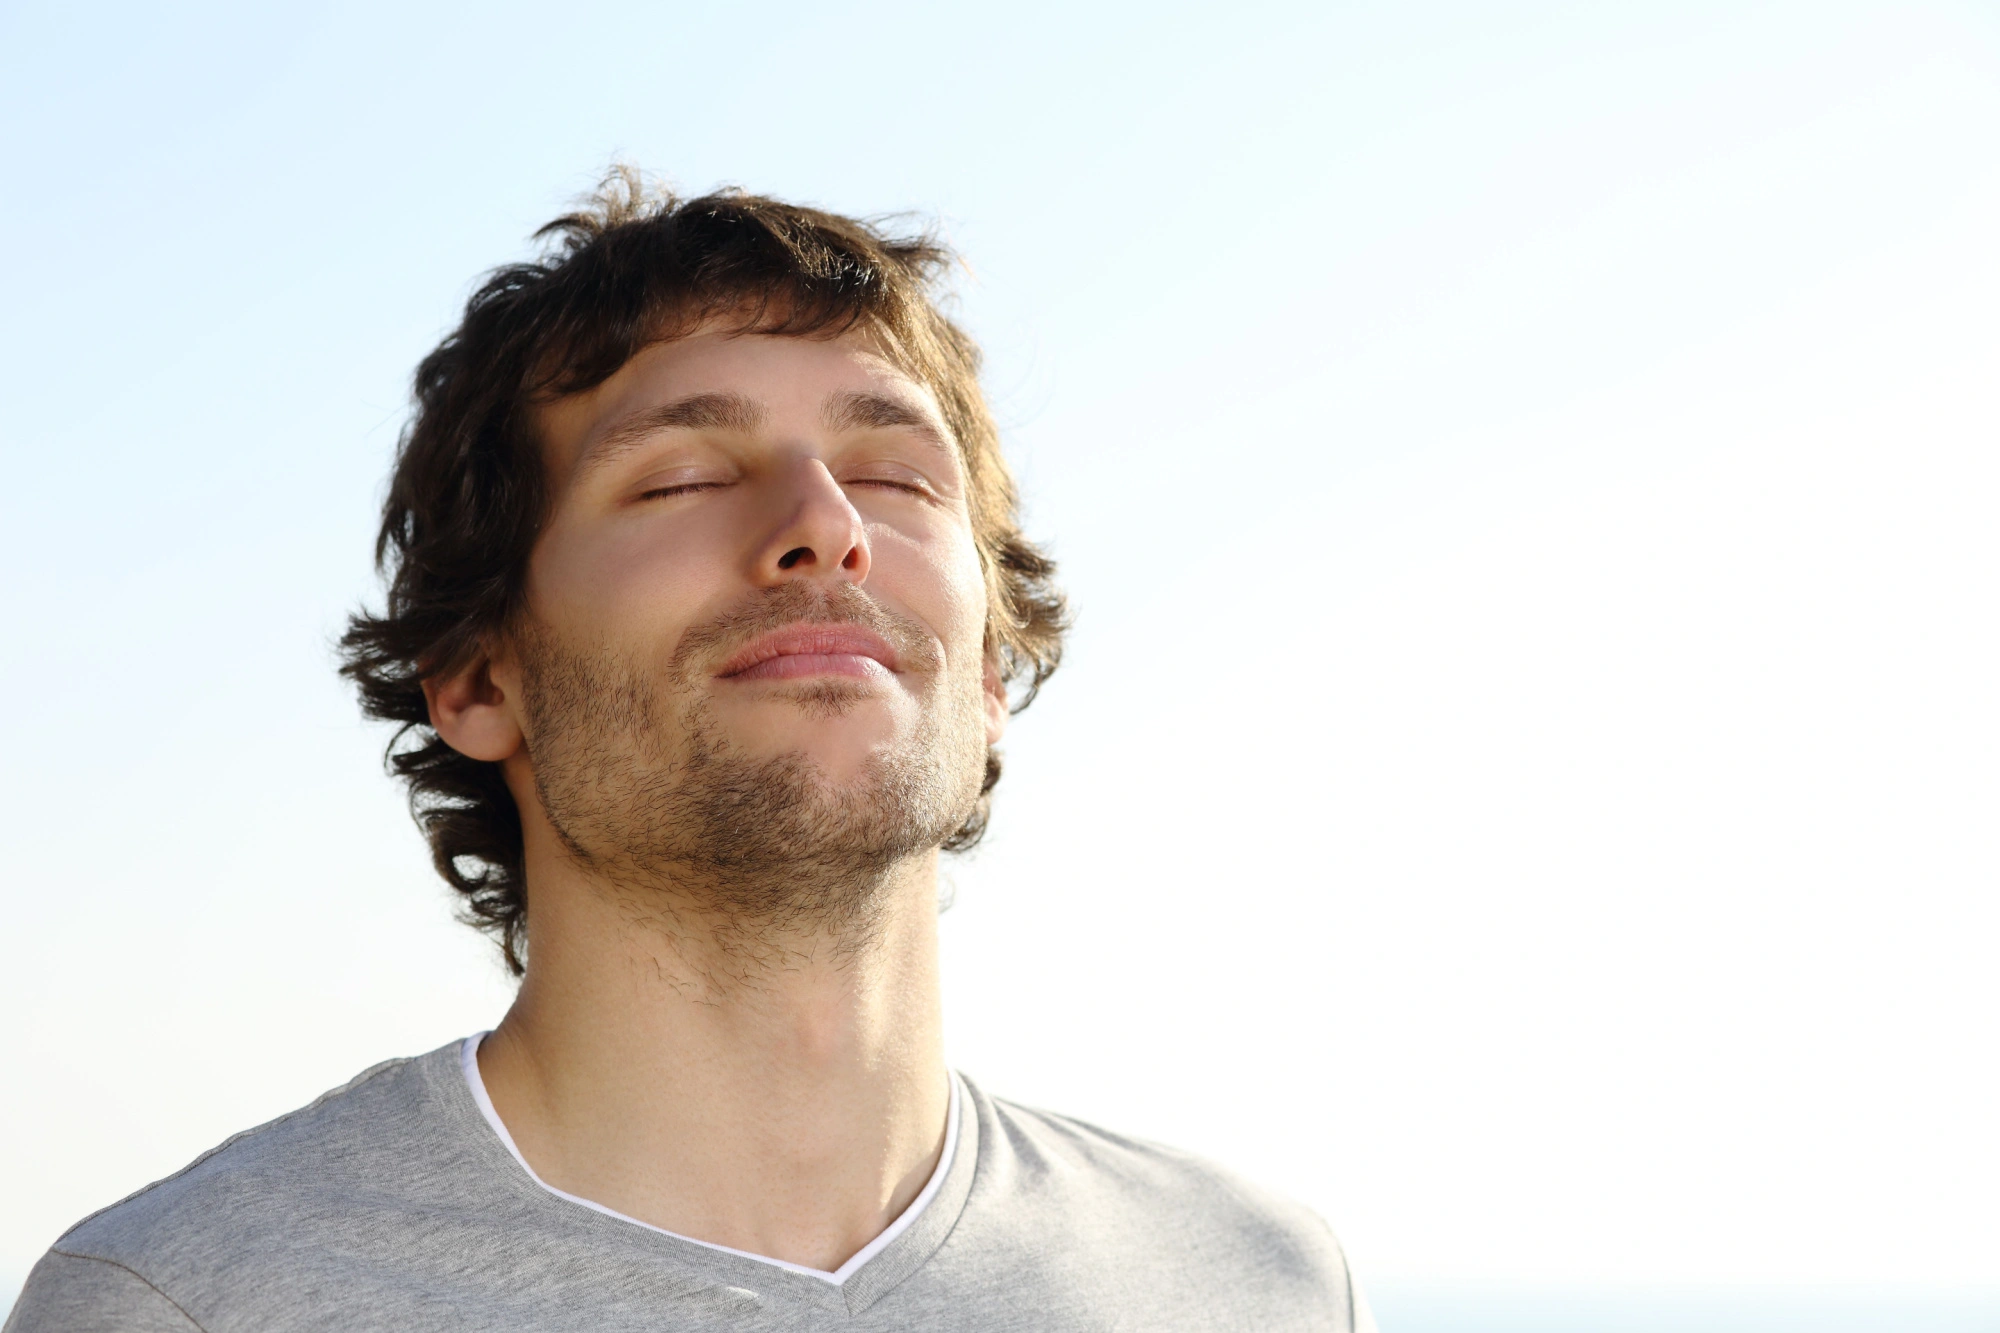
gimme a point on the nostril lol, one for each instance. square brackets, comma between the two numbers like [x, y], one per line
[795, 556]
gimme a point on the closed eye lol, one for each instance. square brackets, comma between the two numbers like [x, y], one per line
[678, 488]
[896, 479]
[914, 487]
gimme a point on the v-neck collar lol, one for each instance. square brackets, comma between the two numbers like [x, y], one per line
[871, 1272]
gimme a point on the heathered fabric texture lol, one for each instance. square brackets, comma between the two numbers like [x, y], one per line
[391, 1204]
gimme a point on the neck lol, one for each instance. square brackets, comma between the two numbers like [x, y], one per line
[780, 1092]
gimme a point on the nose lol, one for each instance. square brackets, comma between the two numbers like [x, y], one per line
[818, 536]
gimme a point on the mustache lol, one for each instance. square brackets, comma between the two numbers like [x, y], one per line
[798, 603]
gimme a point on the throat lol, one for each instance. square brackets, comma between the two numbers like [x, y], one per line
[778, 1092]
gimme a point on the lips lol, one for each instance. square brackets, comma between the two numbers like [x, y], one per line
[814, 649]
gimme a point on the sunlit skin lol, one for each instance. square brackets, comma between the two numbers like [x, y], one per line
[787, 1098]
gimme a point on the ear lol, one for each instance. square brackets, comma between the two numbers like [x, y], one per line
[474, 710]
[996, 703]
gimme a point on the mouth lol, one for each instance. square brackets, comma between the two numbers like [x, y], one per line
[797, 652]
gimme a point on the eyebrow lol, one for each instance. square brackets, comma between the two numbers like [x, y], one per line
[877, 411]
[700, 411]
[735, 412]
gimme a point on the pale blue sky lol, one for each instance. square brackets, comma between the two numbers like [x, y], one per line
[1524, 781]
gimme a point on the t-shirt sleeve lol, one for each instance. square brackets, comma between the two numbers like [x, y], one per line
[70, 1293]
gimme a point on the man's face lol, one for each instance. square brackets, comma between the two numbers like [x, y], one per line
[756, 617]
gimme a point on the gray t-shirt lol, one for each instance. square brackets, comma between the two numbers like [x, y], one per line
[391, 1203]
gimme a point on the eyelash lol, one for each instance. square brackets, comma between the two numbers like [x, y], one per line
[914, 488]
[682, 488]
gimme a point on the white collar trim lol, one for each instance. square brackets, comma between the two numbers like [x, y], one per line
[468, 1060]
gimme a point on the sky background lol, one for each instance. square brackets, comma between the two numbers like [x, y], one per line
[1524, 779]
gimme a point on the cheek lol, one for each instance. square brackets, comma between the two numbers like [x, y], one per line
[969, 578]
[938, 579]
[636, 582]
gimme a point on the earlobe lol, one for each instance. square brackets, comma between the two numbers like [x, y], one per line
[472, 711]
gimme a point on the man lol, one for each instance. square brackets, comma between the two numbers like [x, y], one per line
[708, 604]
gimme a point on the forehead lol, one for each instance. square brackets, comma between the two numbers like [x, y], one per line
[791, 380]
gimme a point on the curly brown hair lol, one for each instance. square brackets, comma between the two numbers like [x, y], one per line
[633, 267]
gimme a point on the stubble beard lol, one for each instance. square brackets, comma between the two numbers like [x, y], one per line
[648, 794]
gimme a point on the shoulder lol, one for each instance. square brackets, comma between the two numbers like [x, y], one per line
[269, 1188]
[68, 1291]
[1156, 1206]
[333, 1135]
[1067, 1154]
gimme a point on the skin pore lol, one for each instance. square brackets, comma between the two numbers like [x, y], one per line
[748, 699]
